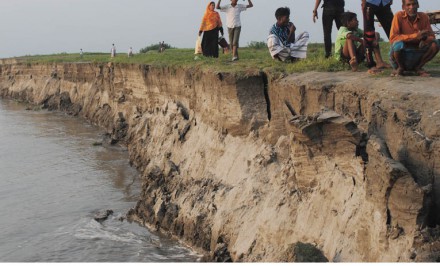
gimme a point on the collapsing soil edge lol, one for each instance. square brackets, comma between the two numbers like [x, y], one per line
[310, 167]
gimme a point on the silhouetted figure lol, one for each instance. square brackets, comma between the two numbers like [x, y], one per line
[113, 51]
[161, 47]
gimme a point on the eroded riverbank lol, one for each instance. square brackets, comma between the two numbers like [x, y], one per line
[244, 168]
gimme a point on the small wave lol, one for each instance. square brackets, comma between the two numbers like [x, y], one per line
[96, 231]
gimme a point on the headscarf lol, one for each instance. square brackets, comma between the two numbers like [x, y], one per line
[211, 20]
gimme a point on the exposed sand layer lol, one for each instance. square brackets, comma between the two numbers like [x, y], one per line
[314, 166]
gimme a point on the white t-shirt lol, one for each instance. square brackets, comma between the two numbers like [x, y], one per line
[233, 14]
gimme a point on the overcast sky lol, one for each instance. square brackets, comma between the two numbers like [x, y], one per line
[29, 27]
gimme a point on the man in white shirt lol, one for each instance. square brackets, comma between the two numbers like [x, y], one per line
[233, 23]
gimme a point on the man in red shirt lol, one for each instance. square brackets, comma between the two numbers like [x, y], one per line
[412, 39]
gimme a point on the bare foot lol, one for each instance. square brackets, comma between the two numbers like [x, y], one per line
[383, 65]
[423, 73]
[397, 73]
[374, 71]
[354, 65]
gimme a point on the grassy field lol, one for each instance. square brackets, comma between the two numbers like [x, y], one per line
[251, 60]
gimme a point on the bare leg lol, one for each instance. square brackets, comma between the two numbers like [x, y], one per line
[349, 51]
[377, 55]
[428, 56]
[400, 66]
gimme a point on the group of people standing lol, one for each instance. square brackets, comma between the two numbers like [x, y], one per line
[352, 44]
[333, 10]
[412, 39]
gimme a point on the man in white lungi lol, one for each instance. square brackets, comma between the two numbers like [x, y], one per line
[282, 42]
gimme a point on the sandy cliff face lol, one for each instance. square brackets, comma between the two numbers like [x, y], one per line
[315, 166]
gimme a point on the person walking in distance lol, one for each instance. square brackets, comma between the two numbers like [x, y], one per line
[161, 47]
[331, 11]
[113, 51]
[233, 23]
[382, 10]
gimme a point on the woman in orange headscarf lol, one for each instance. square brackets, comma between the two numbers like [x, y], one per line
[211, 25]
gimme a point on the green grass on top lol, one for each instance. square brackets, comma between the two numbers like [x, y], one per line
[251, 60]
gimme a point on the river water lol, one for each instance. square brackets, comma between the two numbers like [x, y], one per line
[53, 180]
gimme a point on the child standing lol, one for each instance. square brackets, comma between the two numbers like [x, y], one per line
[350, 46]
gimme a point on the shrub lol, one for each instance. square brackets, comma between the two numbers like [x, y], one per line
[154, 47]
[257, 45]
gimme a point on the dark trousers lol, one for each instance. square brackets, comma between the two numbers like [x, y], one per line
[383, 14]
[210, 43]
[385, 17]
[330, 14]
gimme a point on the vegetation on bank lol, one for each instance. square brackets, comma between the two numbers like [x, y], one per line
[253, 58]
[155, 47]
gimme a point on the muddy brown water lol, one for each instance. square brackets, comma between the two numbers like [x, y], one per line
[53, 180]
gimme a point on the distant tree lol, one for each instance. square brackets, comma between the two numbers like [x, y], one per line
[257, 45]
[155, 47]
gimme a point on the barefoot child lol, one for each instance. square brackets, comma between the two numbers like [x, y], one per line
[350, 47]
